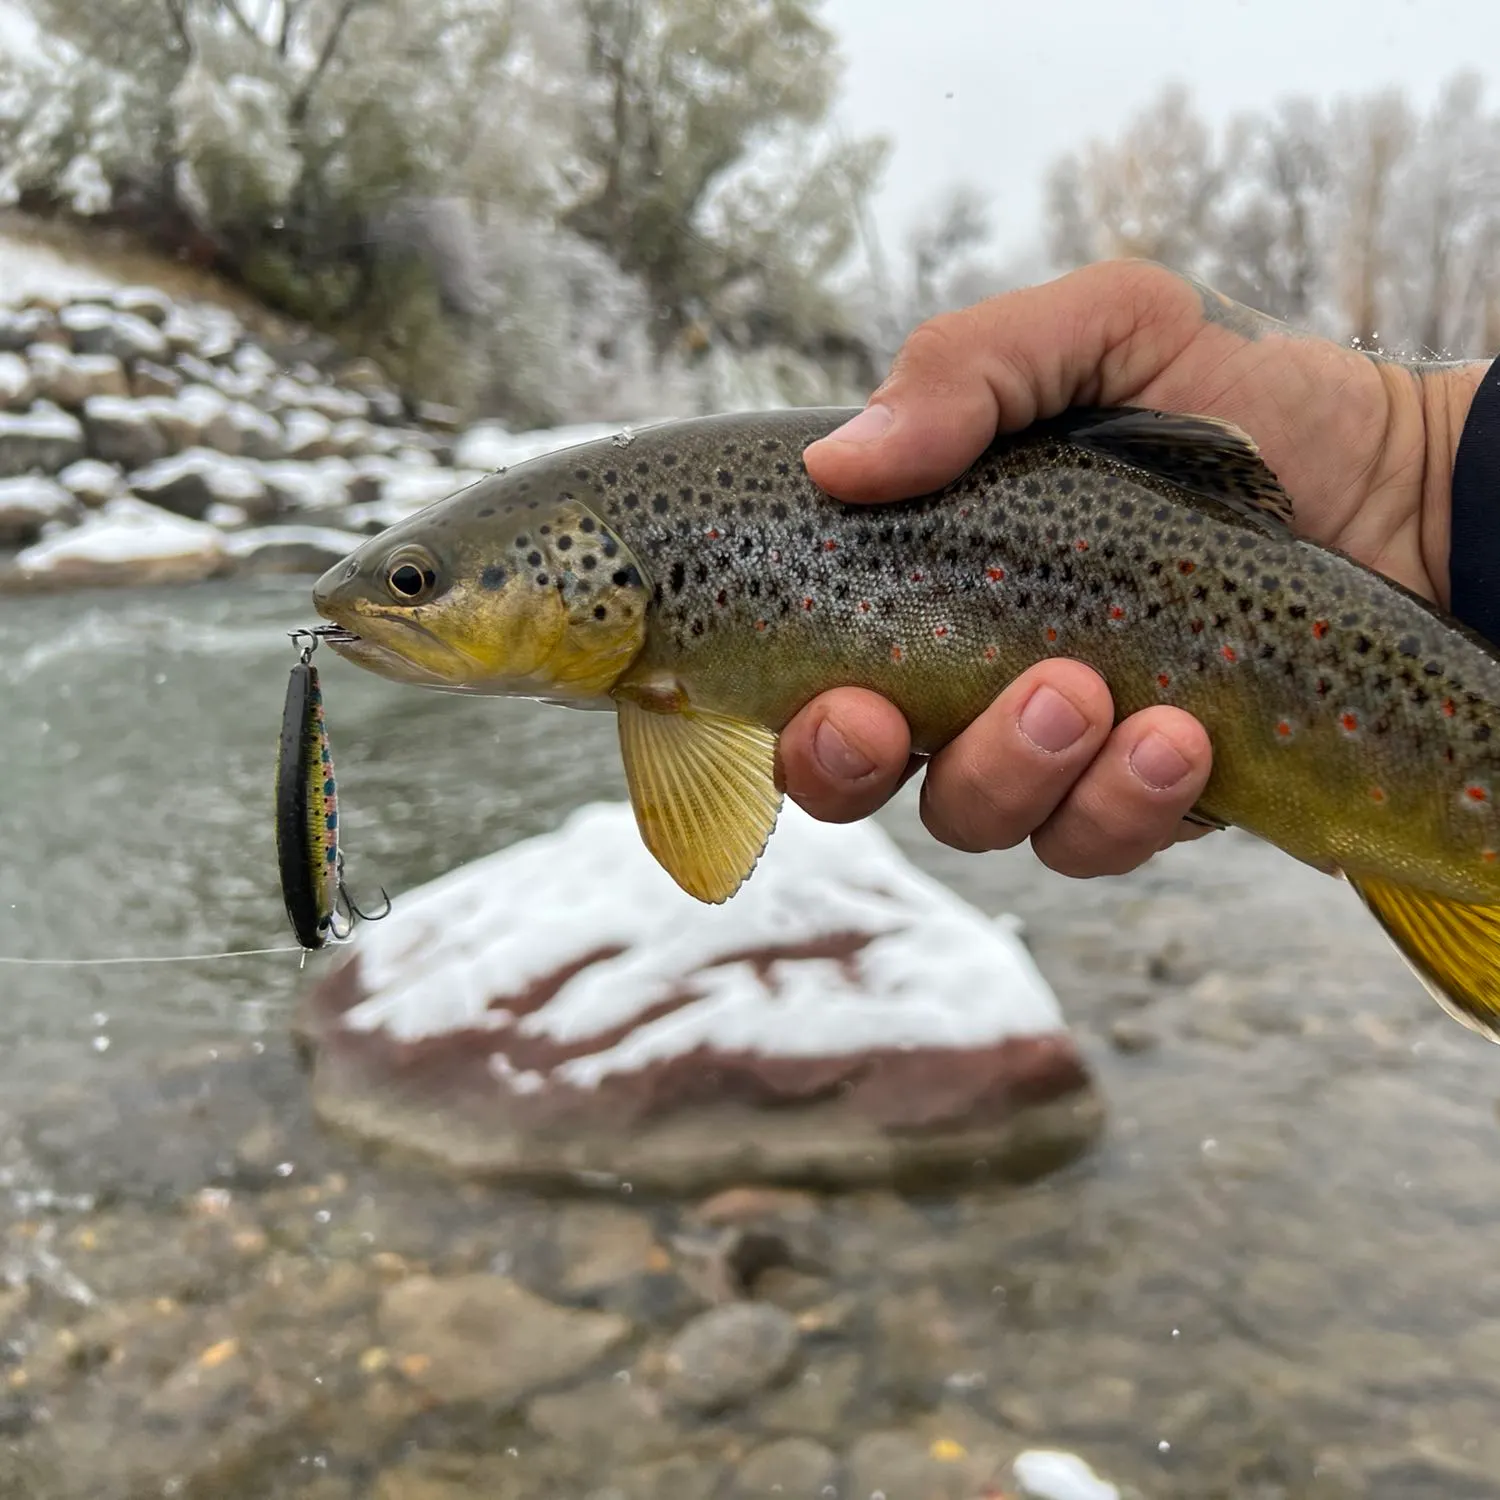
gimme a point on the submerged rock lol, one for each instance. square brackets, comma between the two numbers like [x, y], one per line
[561, 1010]
[290, 549]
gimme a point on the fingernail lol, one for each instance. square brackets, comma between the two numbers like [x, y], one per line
[869, 425]
[1050, 722]
[838, 758]
[1158, 762]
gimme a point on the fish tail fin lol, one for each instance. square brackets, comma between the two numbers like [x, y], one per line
[1454, 948]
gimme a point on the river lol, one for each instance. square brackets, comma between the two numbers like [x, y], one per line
[1272, 1279]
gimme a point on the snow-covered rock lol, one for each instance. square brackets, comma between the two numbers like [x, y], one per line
[146, 302]
[316, 487]
[28, 504]
[563, 1010]
[91, 482]
[125, 542]
[124, 431]
[17, 384]
[42, 440]
[20, 327]
[309, 435]
[72, 379]
[103, 330]
[490, 446]
[290, 549]
[190, 482]
[150, 379]
[1045, 1474]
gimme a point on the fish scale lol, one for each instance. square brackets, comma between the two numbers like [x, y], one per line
[695, 580]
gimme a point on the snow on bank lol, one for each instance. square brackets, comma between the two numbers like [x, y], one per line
[128, 536]
[28, 270]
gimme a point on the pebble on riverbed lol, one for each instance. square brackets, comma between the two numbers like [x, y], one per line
[644, 1040]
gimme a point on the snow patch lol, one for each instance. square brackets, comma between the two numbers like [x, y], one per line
[122, 531]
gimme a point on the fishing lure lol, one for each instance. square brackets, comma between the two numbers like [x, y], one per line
[307, 818]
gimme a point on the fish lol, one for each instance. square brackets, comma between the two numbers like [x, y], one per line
[691, 577]
[308, 851]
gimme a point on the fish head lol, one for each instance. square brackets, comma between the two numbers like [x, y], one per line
[507, 587]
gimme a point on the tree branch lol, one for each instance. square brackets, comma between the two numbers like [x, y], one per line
[331, 42]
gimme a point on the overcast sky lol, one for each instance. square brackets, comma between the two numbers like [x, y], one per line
[992, 90]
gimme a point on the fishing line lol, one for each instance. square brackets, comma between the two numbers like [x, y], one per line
[172, 958]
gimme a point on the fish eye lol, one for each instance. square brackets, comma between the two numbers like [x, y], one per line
[410, 577]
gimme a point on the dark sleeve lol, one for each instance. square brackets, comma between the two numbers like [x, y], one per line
[1474, 551]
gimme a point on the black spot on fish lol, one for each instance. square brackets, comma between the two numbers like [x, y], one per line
[626, 578]
[493, 577]
[488, 510]
[1432, 669]
[522, 541]
[611, 476]
[541, 580]
[546, 531]
[678, 577]
[725, 479]
[1482, 733]
[659, 504]
[642, 467]
[632, 500]
[589, 562]
[580, 474]
[564, 542]
[534, 558]
[600, 612]
[609, 546]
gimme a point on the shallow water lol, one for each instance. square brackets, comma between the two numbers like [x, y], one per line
[1272, 1279]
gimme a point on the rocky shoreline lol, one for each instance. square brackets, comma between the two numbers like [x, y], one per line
[144, 440]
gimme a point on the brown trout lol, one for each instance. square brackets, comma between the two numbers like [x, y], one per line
[692, 577]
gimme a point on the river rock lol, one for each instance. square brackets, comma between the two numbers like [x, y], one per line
[309, 435]
[146, 302]
[29, 503]
[148, 379]
[93, 329]
[20, 327]
[793, 1469]
[646, 1038]
[123, 431]
[257, 434]
[72, 379]
[17, 385]
[290, 549]
[190, 482]
[1045, 1474]
[42, 440]
[728, 1354]
[125, 542]
[486, 1338]
[309, 488]
[91, 482]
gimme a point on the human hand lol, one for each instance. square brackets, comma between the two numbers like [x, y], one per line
[1363, 444]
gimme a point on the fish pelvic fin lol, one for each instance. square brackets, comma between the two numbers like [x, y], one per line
[1453, 948]
[703, 786]
[1205, 455]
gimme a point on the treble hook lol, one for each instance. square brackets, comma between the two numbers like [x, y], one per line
[345, 906]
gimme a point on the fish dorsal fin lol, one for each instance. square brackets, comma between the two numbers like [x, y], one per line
[1454, 948]
[1202, 454]
[703, 786]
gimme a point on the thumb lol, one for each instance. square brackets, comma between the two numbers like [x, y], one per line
[1095, 335]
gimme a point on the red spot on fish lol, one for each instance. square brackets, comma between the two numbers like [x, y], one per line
[864, 606]
[1080, 545]
[1377, 794]
[996, 575]
[830, 545]
[965, 511]
[895, 653]
[1196, 626]
[1051, 633]
[1116, 612]
[916, 578]
[1283, 729]
[1229, 653]
[1448, 709]
[807, 604]
[1476, 793]
[1320, 629]
[940, 631]
[713, 533]
[1487, 855]
[1349, 722]
[990, 653]
[1186, 566]
[1163, 680]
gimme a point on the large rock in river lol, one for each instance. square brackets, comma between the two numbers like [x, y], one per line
[562, 1011]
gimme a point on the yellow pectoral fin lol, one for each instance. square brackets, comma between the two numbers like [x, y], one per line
[703, 786]
[1454, 948]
